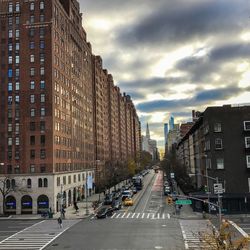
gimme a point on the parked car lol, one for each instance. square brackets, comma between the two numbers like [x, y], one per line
[108, 199]
[128, 202]
[117, 204]
[134, 190]
[104, 212]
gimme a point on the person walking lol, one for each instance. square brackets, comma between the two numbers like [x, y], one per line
[59, 220]
[63, 213]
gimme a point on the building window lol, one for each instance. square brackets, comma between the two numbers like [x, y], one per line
[79, 177]
[32, 126]
[10, 33]
[248, 161]
[42, 32]
[74, 178]
[32, 140]
[17, 20]
[17, 128]
[42, 139]
[17, 33]
[31, 32]
[32, 112]
[17, 46]
[32, 71]
[220, 163]
[42, 18]
[29, 183]
[69, 179]
[32, 19]
[32, 58]
[32, 6]
[10, 87]
[17, 141]
[17, 154]
[247, 142]
[41, 5]
[10, 60]
[42, 71]
[32, 98]
[9, 127]
[206, 129]
[32, 45]
[207, 145]
[64, 180]
[58, 181]
[17, 99]
[218, 143]
[247, 125]
[42, 168]
[45, 182]
[10, 7]
[9, 141]
[17, 60]
[42, 58]
[42, 98]
[32, 154]
[10, 47]
[42, 111]
[42, 44]
[42, 126]
[17, 86]
[32, 84]
[17, 7]
[10, 73]
[40, 182]
[42, 84]
[42, 154]
[32, 168]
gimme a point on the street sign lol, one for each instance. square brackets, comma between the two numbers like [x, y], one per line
[183, 202]
[218, 189]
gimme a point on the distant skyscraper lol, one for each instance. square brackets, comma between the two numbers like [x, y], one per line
[171, 123]
[166, 132]
[147, 132]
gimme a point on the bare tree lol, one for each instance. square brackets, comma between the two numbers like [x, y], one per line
[7, 186]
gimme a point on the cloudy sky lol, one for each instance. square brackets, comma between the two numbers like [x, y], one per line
[173, 56]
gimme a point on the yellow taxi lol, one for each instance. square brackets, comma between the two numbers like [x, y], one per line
[128, 202]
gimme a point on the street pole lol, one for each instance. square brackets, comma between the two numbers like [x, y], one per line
[219, 203]
[87, 209]
[61, 201]
[208, 191]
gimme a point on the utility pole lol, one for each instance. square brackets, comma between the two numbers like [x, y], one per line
[61, 200]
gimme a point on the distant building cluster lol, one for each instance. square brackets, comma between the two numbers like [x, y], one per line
[150, 145]
[63, 121]
[217, 146]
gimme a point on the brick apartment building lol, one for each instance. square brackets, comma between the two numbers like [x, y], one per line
[61, 116]
[218, 145]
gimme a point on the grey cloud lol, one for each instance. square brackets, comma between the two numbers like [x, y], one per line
[175, 25]
[201, 98]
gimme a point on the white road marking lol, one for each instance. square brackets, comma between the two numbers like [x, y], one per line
[168, 216]
[138, 215]
[133, 215]
[113, 215]
[163, 216]
[143, 214]
[118, 215]
[123, 215]
[128, 215]
[158, 216]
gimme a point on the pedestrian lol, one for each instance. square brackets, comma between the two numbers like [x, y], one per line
[63, 212]
[75, 206]
[59, 220]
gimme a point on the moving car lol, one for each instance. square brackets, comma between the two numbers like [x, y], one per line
[104, 212]
[128, 202]
[117, 204]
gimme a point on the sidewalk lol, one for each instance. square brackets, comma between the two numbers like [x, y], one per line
[70, 212]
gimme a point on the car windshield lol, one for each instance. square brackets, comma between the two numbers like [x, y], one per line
[102, 210]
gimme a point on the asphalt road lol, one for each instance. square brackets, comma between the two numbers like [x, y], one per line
[147, 225]
[10, 227]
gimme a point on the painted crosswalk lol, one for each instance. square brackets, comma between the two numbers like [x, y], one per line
[135, 216]
[37, 236]
[194, 232]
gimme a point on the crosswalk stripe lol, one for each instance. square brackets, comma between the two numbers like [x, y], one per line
[128, 215]
[163, 216]
[133, 215]
[123, 215]
[150, 216]
[118, 215]
[113, 215]
[143, 215]
[158, 216]
[168, 216]
[138, 215]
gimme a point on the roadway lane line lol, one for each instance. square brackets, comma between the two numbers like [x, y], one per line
[113, 215]
[123, 215]
[138, 215]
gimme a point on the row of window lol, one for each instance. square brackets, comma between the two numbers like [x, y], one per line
[33, 140]
[33, 169]
[78, 177]
[219, 163]
[219, 145]
[42, 154]
[16, 8]
[218, 127]
[33, 112]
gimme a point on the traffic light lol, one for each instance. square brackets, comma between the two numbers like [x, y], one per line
[170, 200]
